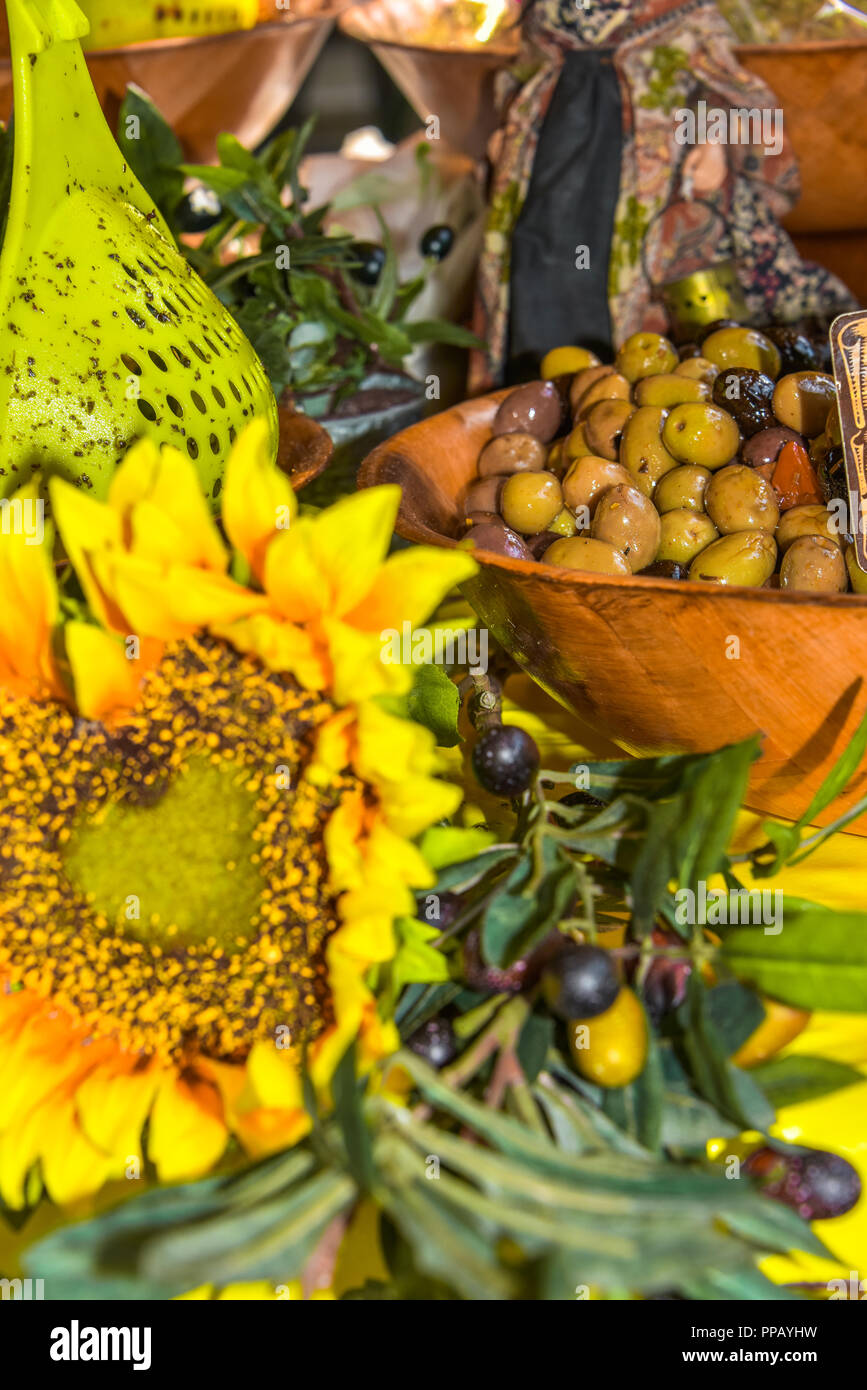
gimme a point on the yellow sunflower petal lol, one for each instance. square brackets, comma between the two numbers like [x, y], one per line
[358, 670]
[187, 1133]
[134, 477]
[29, 609]
[72, 1167]
[274, 1077]
[410, 586]
[293, 578]
[104, 678]
[113, 1104]
[350, 541]
[257, 500]
[176, 502]
[172, 602]
[86, 527]
[280, 647]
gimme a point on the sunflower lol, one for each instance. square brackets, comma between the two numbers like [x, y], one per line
[208, 807]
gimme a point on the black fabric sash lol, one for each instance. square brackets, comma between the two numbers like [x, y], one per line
[570, 202]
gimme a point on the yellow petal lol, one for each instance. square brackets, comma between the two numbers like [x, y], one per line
[134, 477]
[257, 501]
[29, 607]
[295, 581]
[187, 1132]
[350, 542]
[72, 1167]
[86, 527]
[358, 669]
[113, 1104]
[410, 586]
[177, 495]
[274, 1076]
[170, 603]
[279, 646]
[104, 679]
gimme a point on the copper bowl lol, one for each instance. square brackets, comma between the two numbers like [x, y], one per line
[304, 449]
[241, 82]
[453, 83]
[650, 663]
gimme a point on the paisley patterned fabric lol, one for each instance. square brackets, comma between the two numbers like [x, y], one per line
[668, 56]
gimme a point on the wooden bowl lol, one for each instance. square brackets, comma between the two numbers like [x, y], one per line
[241, 82]
[304, 449]
[655, 665]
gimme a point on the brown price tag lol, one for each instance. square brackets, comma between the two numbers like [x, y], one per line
[849, 359]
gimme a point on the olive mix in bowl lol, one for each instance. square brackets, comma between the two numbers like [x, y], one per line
[721, 463]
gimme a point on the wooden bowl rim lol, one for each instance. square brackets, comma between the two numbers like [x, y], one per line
[369, 475]
[299, 477]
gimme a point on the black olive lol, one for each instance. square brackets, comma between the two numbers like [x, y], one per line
[748, 396]
[797, 353]
[666, 569]
[437, 242]
[370, 259]
[198, 211]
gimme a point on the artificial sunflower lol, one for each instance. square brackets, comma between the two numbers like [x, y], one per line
[207, 815]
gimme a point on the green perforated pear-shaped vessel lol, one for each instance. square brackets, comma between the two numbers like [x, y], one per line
[106, 333]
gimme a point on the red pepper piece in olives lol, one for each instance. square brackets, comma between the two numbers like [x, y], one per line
[747, 395]
[501, 539]
[765, 446]
[535, 408]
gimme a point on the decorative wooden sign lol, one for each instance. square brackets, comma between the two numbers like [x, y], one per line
[849, 358]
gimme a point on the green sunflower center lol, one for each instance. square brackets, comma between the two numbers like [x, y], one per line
[181, 872]
[164, 878]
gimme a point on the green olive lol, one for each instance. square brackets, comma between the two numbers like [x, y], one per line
[683, 535]
[698, 368]
[739, 499]
[832, 426]
[584, 553]
[684, 487]
[628, 520]
[575, 444]
[809, 519]
[642, 452]
[702, 434]
[744, 557]
[512, 453]
[581, 383]
[603, 427]
[669, 388]
[857, 576]
[646, 354]
[742, 347]
[813, 564]
[586, 480]
[563, 523]
[802, 400]
[530, 501]
[610, 387]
